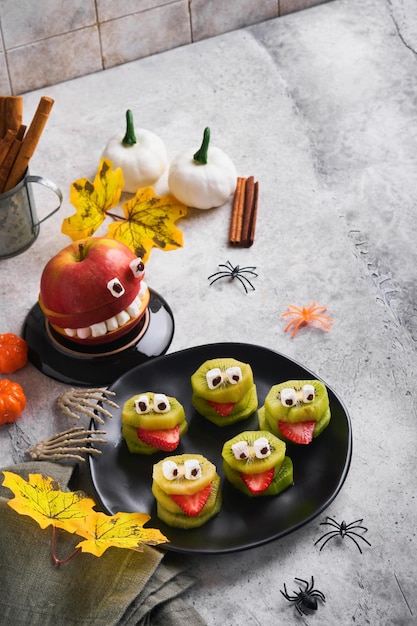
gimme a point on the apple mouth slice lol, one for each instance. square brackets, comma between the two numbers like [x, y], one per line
[122, 320]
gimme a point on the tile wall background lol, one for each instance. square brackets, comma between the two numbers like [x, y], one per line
[50, 41]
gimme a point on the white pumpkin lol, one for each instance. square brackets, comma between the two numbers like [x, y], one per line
[203, 180]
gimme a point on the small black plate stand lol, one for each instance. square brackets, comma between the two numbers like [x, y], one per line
[98, 366]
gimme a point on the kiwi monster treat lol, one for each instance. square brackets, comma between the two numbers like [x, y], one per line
[187, 490]
[296, 411]
[254, 462]
[224, 391]
[152, 422]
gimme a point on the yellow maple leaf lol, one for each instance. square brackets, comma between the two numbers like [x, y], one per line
[149, 222]
[122, 530]
[92, 200]
[41, 498]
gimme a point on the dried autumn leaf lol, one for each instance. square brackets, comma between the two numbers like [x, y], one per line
[149, 222]
[41, 498]
[92, 200]
[122, 530]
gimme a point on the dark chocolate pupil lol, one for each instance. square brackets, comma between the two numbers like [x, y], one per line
[264, 450]
[194, 472]
[310, 397]
[162, 406]
[217, 380]
[236, 378]
[289, 402]
[142, 406]
[117, 288]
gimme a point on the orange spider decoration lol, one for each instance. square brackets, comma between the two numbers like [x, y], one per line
[305, 315]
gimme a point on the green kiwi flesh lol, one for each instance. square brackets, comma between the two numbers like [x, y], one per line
[181, 485]
[283, 478]
[253, 465]
[242, 409]
[300, 411]
[226, 392]
[152, 420]
[267, 422]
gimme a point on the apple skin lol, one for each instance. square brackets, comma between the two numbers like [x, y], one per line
[73, 287]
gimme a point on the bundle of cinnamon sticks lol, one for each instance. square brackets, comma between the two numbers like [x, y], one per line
[17, 142]
[244, 212]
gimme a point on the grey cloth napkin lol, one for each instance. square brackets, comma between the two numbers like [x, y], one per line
[122, 587]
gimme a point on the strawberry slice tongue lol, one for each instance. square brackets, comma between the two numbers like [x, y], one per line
[300, 432]
[222, 408]
[164, 439]
[192, 505]
[257, 483]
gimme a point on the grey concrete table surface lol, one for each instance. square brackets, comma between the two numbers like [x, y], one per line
[321, 107]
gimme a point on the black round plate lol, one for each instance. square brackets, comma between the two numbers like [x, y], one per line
[97, 366]
[122, 481]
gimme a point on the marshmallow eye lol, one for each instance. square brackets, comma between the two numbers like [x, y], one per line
[170, 470]
[214, 378]
[142, 405]
[240, 450]
[262, 448]
[115, 287]
[308, 393]
[288, 397]
[161, 403]
[234, 375]
[192, 469]
[138, 267]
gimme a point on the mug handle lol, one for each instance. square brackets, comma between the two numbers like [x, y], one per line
[50, 185]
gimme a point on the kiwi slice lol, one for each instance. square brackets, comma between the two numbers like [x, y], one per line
[283, 478]
[321, 424]
[181, 485]
[168, 503]
[266, 422]
[225, 391]
[241, 410]
[152, 420]
[181, 520]
[137, 446]
[300, 410]
[250, 463]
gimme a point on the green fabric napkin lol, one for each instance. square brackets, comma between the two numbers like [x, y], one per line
[122, 587]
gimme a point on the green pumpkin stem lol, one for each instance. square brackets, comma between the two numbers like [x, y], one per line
[129, 139]
[201, 154]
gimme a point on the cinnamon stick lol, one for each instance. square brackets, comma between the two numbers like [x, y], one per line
[254, 215]
[8, 161]
[30, 142]
[244, 212]
[247, 209]
[6, 143]
[11, 113]
[237, 211]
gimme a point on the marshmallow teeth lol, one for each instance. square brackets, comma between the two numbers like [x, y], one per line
[113, 323]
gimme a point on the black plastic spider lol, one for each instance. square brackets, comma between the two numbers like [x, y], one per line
[305, 598]
[343, 530]
[235, 272]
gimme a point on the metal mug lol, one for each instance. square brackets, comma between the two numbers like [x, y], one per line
[19, 224]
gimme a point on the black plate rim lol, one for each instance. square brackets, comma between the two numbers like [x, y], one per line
[222, 347]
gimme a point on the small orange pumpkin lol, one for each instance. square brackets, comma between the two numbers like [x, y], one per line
[13, 353]
[12, 401]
